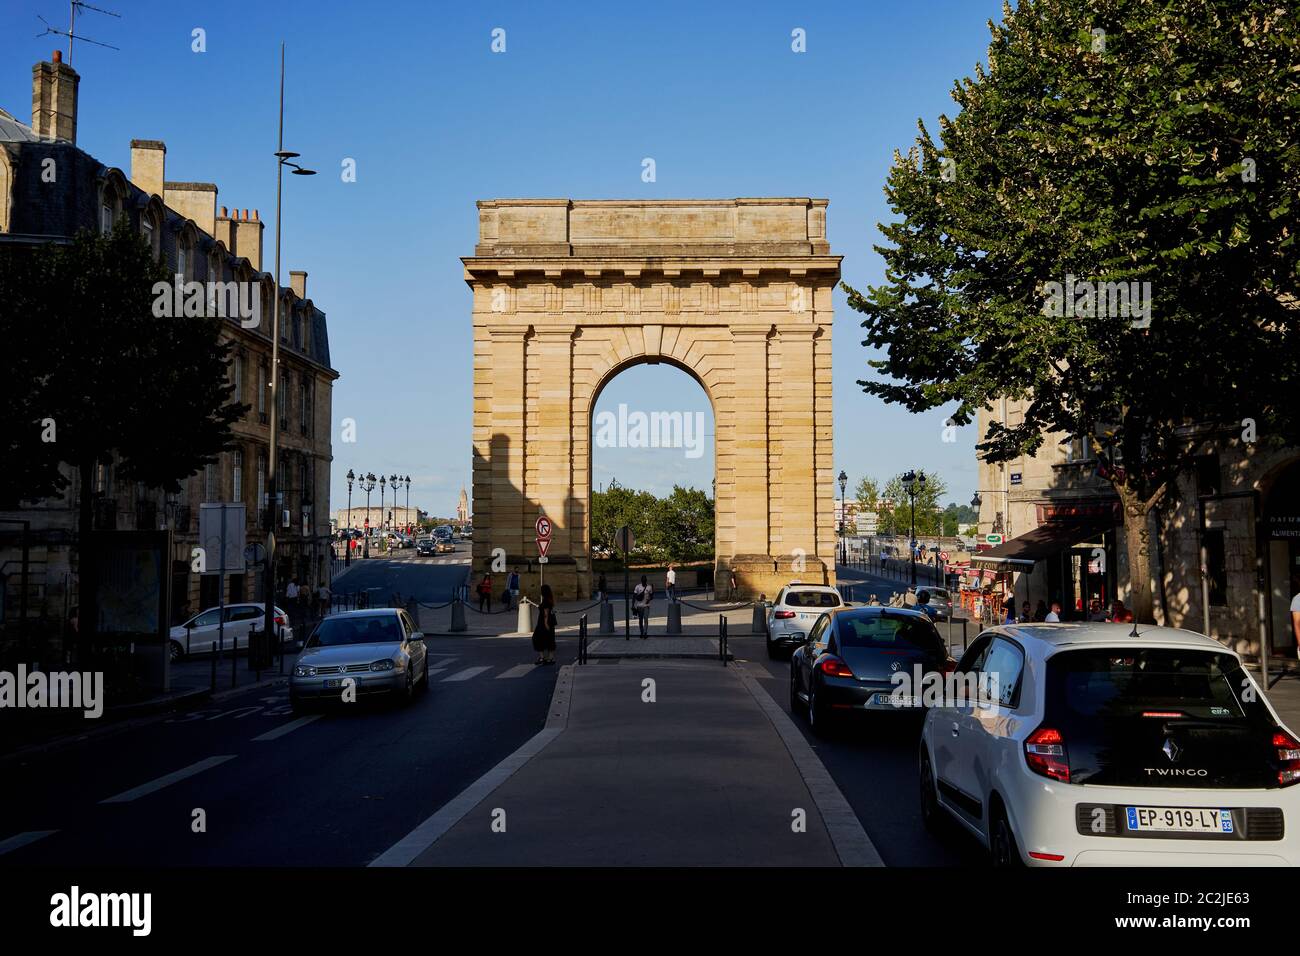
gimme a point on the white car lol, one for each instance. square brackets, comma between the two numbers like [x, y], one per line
[199, 635]
[795, 611]
[1098, 748]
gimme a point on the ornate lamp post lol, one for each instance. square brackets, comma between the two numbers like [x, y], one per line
[368, 483]
[844, 547]
[407, 482]
[347, 540]
[382, 481]
[914, 484]
[393, 482]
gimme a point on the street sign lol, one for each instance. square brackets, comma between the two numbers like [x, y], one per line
[543, 527]
[623, 539]
[543, 545]
[993, 538]
[543, 559]
[943, 555]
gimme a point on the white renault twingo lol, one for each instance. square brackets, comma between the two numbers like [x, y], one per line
[1093, 746]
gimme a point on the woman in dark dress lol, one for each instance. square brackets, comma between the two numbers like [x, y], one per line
[544, 632]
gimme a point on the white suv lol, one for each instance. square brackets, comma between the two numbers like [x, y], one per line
[1096, 747]
[795, 611]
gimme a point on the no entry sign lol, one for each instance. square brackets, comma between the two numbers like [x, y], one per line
[543, 527]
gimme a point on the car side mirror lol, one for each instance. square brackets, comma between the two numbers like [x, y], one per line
[416, 636]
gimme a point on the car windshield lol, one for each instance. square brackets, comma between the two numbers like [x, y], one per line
[940, 594]
[373, 629]
[883, 629]
[812, 599]
[1119, 682]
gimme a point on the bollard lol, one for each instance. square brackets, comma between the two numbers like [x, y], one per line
[525, 622]
[606, 618]
[760, 619]
[457, 616]
[674, 618]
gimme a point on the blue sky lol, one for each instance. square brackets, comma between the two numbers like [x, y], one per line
[434, 120]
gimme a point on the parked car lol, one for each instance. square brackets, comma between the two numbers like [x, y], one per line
[379, 649]
[795, 610]
[1099, 747]
[200, 634]
[934, 600]
[848, 660]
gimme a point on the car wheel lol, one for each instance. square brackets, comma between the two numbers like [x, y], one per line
[424, 680]
[408, 691]
[1002, 841]
[175, 651]
[932, 815]
[818, 718]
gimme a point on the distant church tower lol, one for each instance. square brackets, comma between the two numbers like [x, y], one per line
[462, 508]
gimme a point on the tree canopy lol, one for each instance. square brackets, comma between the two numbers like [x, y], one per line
[678, 527]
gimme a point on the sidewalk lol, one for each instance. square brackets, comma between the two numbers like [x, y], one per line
[712, 773]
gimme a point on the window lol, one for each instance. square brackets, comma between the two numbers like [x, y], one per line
[304, 479]
[210, 482]
[243, 613]
[1003, 666]
[106, 218]
[261, 481]
[812, 599]
[182, 260]
[1207, 475]
[297, 331]
[261, 388]
[282, 400]
[237, 475]
[208, 618]
[302, 404]
[1216, 565]
[149, 232]
[238, 366]
[1079, 449]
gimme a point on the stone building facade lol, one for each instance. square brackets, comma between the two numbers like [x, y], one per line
[197, 240]
[1226, 538]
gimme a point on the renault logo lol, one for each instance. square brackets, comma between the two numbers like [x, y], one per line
[1172, 750]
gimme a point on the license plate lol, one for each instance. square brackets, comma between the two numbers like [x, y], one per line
[886, 697]
[333, 682]
[1179, 819]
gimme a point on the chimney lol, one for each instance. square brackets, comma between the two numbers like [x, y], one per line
[248, 239]
[148, 161]
[298, 282]
[54, 99]
[197, 201]
[225, 230]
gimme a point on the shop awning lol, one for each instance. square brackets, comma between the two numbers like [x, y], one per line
[1045, 541]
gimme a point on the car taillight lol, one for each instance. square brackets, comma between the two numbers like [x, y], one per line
[1045, 754]
[832, 666]
[1288, 758]
[279, 619]
[783, 615]
[950, 666]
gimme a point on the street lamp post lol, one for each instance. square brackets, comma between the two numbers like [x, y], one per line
[844, 547]
[368, 483]
[382, 482]
[393, 482]
[282, 159]
[407, 481]
[347, 540]
[914, 484]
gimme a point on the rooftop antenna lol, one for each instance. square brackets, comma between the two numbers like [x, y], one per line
[71, 32]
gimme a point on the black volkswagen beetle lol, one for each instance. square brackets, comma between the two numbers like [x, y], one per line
[848, 661]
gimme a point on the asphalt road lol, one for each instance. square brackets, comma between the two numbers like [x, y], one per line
[428, 579]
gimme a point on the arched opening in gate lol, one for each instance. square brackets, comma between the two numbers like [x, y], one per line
[652, 466]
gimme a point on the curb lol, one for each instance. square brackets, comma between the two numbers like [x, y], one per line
[851, 842]
[406, 850]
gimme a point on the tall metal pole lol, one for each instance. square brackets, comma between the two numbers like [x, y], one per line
[347, 540]
[272, 502]
[911, 543]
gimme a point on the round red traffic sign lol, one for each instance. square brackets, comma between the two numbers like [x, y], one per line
[543, 527]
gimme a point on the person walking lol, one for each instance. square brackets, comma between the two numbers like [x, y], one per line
[544, 632]
[512, 588]
[485, 593]
[671, 580]
[642, 594]
[731, 594]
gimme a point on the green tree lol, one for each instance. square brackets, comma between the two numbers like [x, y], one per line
[118, 383]
[1108, 141]
[928, 517]
[684, 526]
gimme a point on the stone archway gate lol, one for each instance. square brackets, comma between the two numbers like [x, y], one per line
[737, 292]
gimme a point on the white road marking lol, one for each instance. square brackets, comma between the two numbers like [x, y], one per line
[22, 839]
[135, 793]
[288, 728]
[466, 674]
[519, 670]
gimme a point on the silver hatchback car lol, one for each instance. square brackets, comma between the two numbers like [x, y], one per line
[360, 653]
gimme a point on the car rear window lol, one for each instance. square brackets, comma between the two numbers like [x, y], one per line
[812, 599]
[1118, 682]
[889, 630]
[336, 631]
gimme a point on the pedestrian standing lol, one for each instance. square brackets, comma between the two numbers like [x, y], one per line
[1054, 615]
[1120, 614]
[1026, 615]
[602, 589]
[544, 632]
[733, 587]
[1295, 611]
[642, 594]
[485, 593]
[323, 598]
[671, 578]
[512, 588]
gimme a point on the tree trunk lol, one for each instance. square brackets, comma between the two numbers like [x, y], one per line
[1137, 541]
[87, 610]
